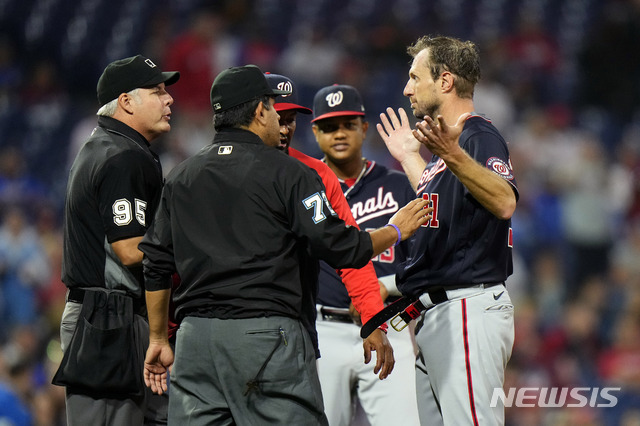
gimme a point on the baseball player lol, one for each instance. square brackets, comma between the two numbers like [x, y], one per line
[458, 262]
[287, 107]
[374, 194]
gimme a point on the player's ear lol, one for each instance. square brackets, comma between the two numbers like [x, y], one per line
[446, 82]
[365, 127]
[315, 130]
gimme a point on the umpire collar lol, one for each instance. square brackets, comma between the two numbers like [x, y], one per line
[116, 126]
[234, 134]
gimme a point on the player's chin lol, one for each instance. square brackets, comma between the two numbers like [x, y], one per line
[341, 154]
[162, 127]
[284, 145]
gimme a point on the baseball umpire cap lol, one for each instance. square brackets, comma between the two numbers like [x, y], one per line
[285, 102]
[337, 100]
[125, 75]
[237, 85]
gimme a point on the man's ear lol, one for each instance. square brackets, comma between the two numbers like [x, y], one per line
[315, 130]
[447, 81]
[124, 102]
[261, 114]
[365, 127]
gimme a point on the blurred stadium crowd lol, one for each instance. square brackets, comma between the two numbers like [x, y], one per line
[561, 80]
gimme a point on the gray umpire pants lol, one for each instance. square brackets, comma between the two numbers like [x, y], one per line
[257, 371]
[83, 410]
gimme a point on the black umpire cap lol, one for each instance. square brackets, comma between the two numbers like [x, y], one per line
[125, 75]
[237, 85]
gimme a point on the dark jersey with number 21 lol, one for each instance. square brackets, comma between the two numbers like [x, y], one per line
[463, 243]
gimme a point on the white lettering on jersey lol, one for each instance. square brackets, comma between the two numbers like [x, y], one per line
[141, 208]
[315, 202]
[382, 204]
[428, 175]
[123, 214]
[328, 204]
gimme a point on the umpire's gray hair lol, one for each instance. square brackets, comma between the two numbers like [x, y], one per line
[108, 109]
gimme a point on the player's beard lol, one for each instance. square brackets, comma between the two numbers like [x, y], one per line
[423, 109]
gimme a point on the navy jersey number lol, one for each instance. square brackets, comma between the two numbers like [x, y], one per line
[433, 199]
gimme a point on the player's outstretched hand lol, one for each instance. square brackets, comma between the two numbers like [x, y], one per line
[440, 138]
[410, 217]
[378, 342]
[157, 363]
[396, 132]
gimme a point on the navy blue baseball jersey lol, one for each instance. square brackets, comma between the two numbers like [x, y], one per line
[463, 243]
[374, 197]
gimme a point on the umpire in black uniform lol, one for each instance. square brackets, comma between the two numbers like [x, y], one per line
[113, 190]
[235, 222]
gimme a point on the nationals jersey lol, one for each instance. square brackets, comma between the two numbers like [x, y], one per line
[463, 243]
[374, 197]
[356, 281]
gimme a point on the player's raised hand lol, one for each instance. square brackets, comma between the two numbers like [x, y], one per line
[440, 138]
[157, 364]
[378, 342]
[396, 132]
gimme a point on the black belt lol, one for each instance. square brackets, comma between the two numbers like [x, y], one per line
[409, 308]
[77, 295]
[336, 315]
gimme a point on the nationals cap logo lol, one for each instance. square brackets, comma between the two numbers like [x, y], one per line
[500, 167]
[286, 86]
[334, 99]
[337, 100]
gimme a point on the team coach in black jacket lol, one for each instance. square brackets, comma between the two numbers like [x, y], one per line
[235, 222]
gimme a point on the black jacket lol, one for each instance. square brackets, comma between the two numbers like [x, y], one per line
[236, 221]
[113, 190]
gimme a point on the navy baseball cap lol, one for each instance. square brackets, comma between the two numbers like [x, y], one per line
[285, 102]
[125, 75]
[237, 85]
[337, 100]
